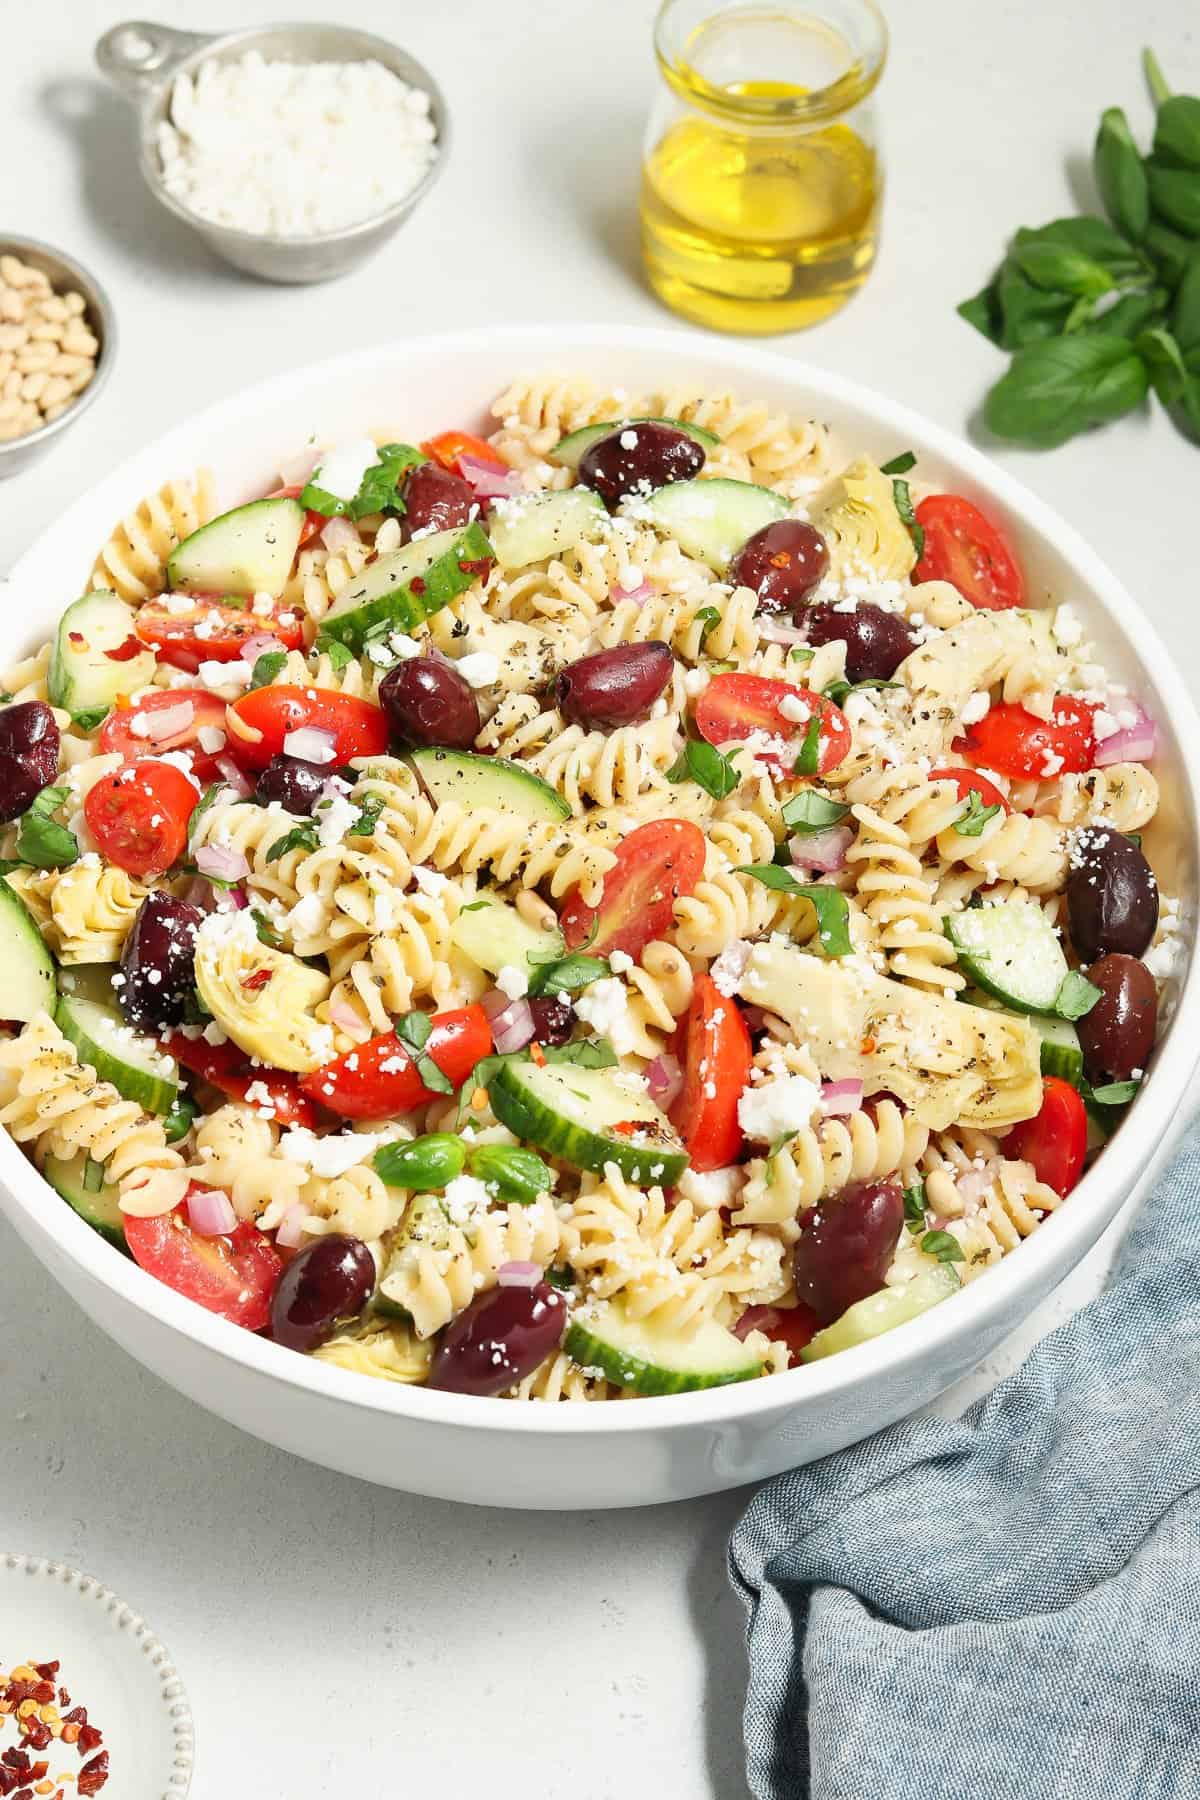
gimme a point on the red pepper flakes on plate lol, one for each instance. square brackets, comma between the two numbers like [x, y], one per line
[29, 1696]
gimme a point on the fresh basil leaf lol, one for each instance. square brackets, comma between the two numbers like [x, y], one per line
[1155, 79]
[42, 843]
[1120, 175]
[914, 1204]
[974, 816]
[560, 1276]
[267, 667]
[267, 933]
[802, 653]
[943, 1245]
[1114, 1093]
[485, 1071]
[300, 837]
[567, 975]
[475, 906]
[899, 465]
[339, 656]
[710, 617]
[830, 904]
[377, 491]
[1162, 357]
[810, 811]
[1175, 196]
[1089, 237]
[778, 1144]
[1169, 251]
[1060, 270]
[704, 764]
[1185, 313]
[432, 1077]
[982, 311]
[368, 816]
[413, 1029]
[807, 763]
[1186, 410]
[904, 506]
[1133, 313]
[1075, 997]
[838, 690]
[1028, 314]
[587, 1053]
[1177, 133]
[1056, 389]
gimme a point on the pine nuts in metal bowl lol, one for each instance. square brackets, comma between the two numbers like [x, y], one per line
[57, 344]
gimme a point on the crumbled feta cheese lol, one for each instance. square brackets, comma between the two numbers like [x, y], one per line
[480, 669]
[1104, 725]
[976, 708]
[464, 1199]
[776, 1107]
[793, 708]
[1067, 628]
[629, 440]
[336, 817]
[329, 1157]
[620, 962]
[728, 968]
[179, 759]
[430, 881]
[512, 982]
[307, 918]
[695, 682]
[604, 1006]
[222, 675]
[708, 1193]
[210, 738]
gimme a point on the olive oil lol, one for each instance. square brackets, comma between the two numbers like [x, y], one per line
[760, 206]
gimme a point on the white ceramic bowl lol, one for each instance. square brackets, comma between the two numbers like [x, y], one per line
[496, 1452]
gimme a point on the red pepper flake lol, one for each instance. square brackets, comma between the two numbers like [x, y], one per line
[417, 584]
[781, 559]
[628, 1127]
[94, 1774]
[89, 1739]
[479, 566]
[258, 980]
[47, 1671]
[133, 646]
[537, 1055]
[76, 637]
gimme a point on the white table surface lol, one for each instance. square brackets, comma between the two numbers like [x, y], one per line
[333, 1635]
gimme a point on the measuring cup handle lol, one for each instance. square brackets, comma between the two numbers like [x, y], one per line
[138, 56]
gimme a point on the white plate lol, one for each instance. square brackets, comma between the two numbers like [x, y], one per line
[112, 1663]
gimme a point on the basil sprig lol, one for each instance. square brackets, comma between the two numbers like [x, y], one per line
[377, 491]
[809, 811]
[42, 842]
[707, 766]
[830, 904]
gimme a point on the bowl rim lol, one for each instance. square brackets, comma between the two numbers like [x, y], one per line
[154, 106]
[96, 296]
[1106, 1185]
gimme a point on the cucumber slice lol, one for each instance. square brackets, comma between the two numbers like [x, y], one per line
[1062, 1054]
[532, 527]
[569, 451]
[713, 519]
[408, 586]
[96, 1205]
[883, 1311]
[572, 1112]
[489, 783]
[89, 981]
[654, 1359]
[1010, 950]
[134, 1064]
[83, 678]
[28, 980]
[247, 551]
[494, 935]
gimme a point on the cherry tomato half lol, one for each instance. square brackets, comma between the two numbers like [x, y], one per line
[716, 1055]
[734, 707]
[268, 714]
[212, 631]
[380, 1079]
[795, 1326]
[1055, 1141]
[234, 1275]
[139, 816]
[313, 521]
[970, 781]
[963, 546]
[118, 732]
[229, 1068]
[448, 446]
[1014, 742]
[655, 865]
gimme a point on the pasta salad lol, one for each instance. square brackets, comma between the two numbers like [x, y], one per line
[625, 905]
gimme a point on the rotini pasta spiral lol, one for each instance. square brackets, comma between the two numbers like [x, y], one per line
[899, 901]
[823, 1160]
[133, 563]
[442, 1267]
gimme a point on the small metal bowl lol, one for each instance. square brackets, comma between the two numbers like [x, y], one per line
[64, 274]
[143, 60]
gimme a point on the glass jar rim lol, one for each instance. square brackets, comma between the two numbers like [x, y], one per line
[852, 85]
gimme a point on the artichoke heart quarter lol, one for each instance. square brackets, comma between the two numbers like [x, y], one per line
[262, 998]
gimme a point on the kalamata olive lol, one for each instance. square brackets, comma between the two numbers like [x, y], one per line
[28, 755]
[876, 641]
[553, 1019]
[1117, 1036]
[846, 1245]
[500, 1338]
[434, 498]
[639, 458]
[294, 784]
[158, 962]
[326, 1282]
[428, 702]
[615, 687]
[1112, 896]
[782, 563]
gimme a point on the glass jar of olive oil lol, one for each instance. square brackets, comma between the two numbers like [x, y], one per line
[762, 179]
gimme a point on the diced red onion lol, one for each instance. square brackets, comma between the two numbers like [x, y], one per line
[169, 721]
[258, 645]
[756, 1318]
[343, 1015]
[201, 894]
[518, 1274]
[295, 471]
[664, 1079]
[225, 864]
[638, 595]
[489, 482]
[311, 743]
[233, 899]
[512, 1029]
[339, 533]
[210, 1212]
[841, 1097]
[230, 772]
[774, 631]
[290, 1232]
[1133, 743]
[824, 850]
[755, 1017]
[974, 1183]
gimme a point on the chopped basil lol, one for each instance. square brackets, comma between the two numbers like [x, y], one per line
[1075, 997]
[42, 842]
[267, 666]
[904, 506]
[830, 904]
[1113, 1093]
[914, 1205]
[710, 618]
[974, 816]
[838, 690]
[899, 465]
[810, 811]
[944, 1246]
[339, 656]
[810, 750]
[267, 933]
[377, 491]
[707, 766]
[300, 837]
[588, 1053]
[413, 1030]
[566, 974]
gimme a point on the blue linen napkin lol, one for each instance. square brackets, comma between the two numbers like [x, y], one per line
[1005, 1607]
